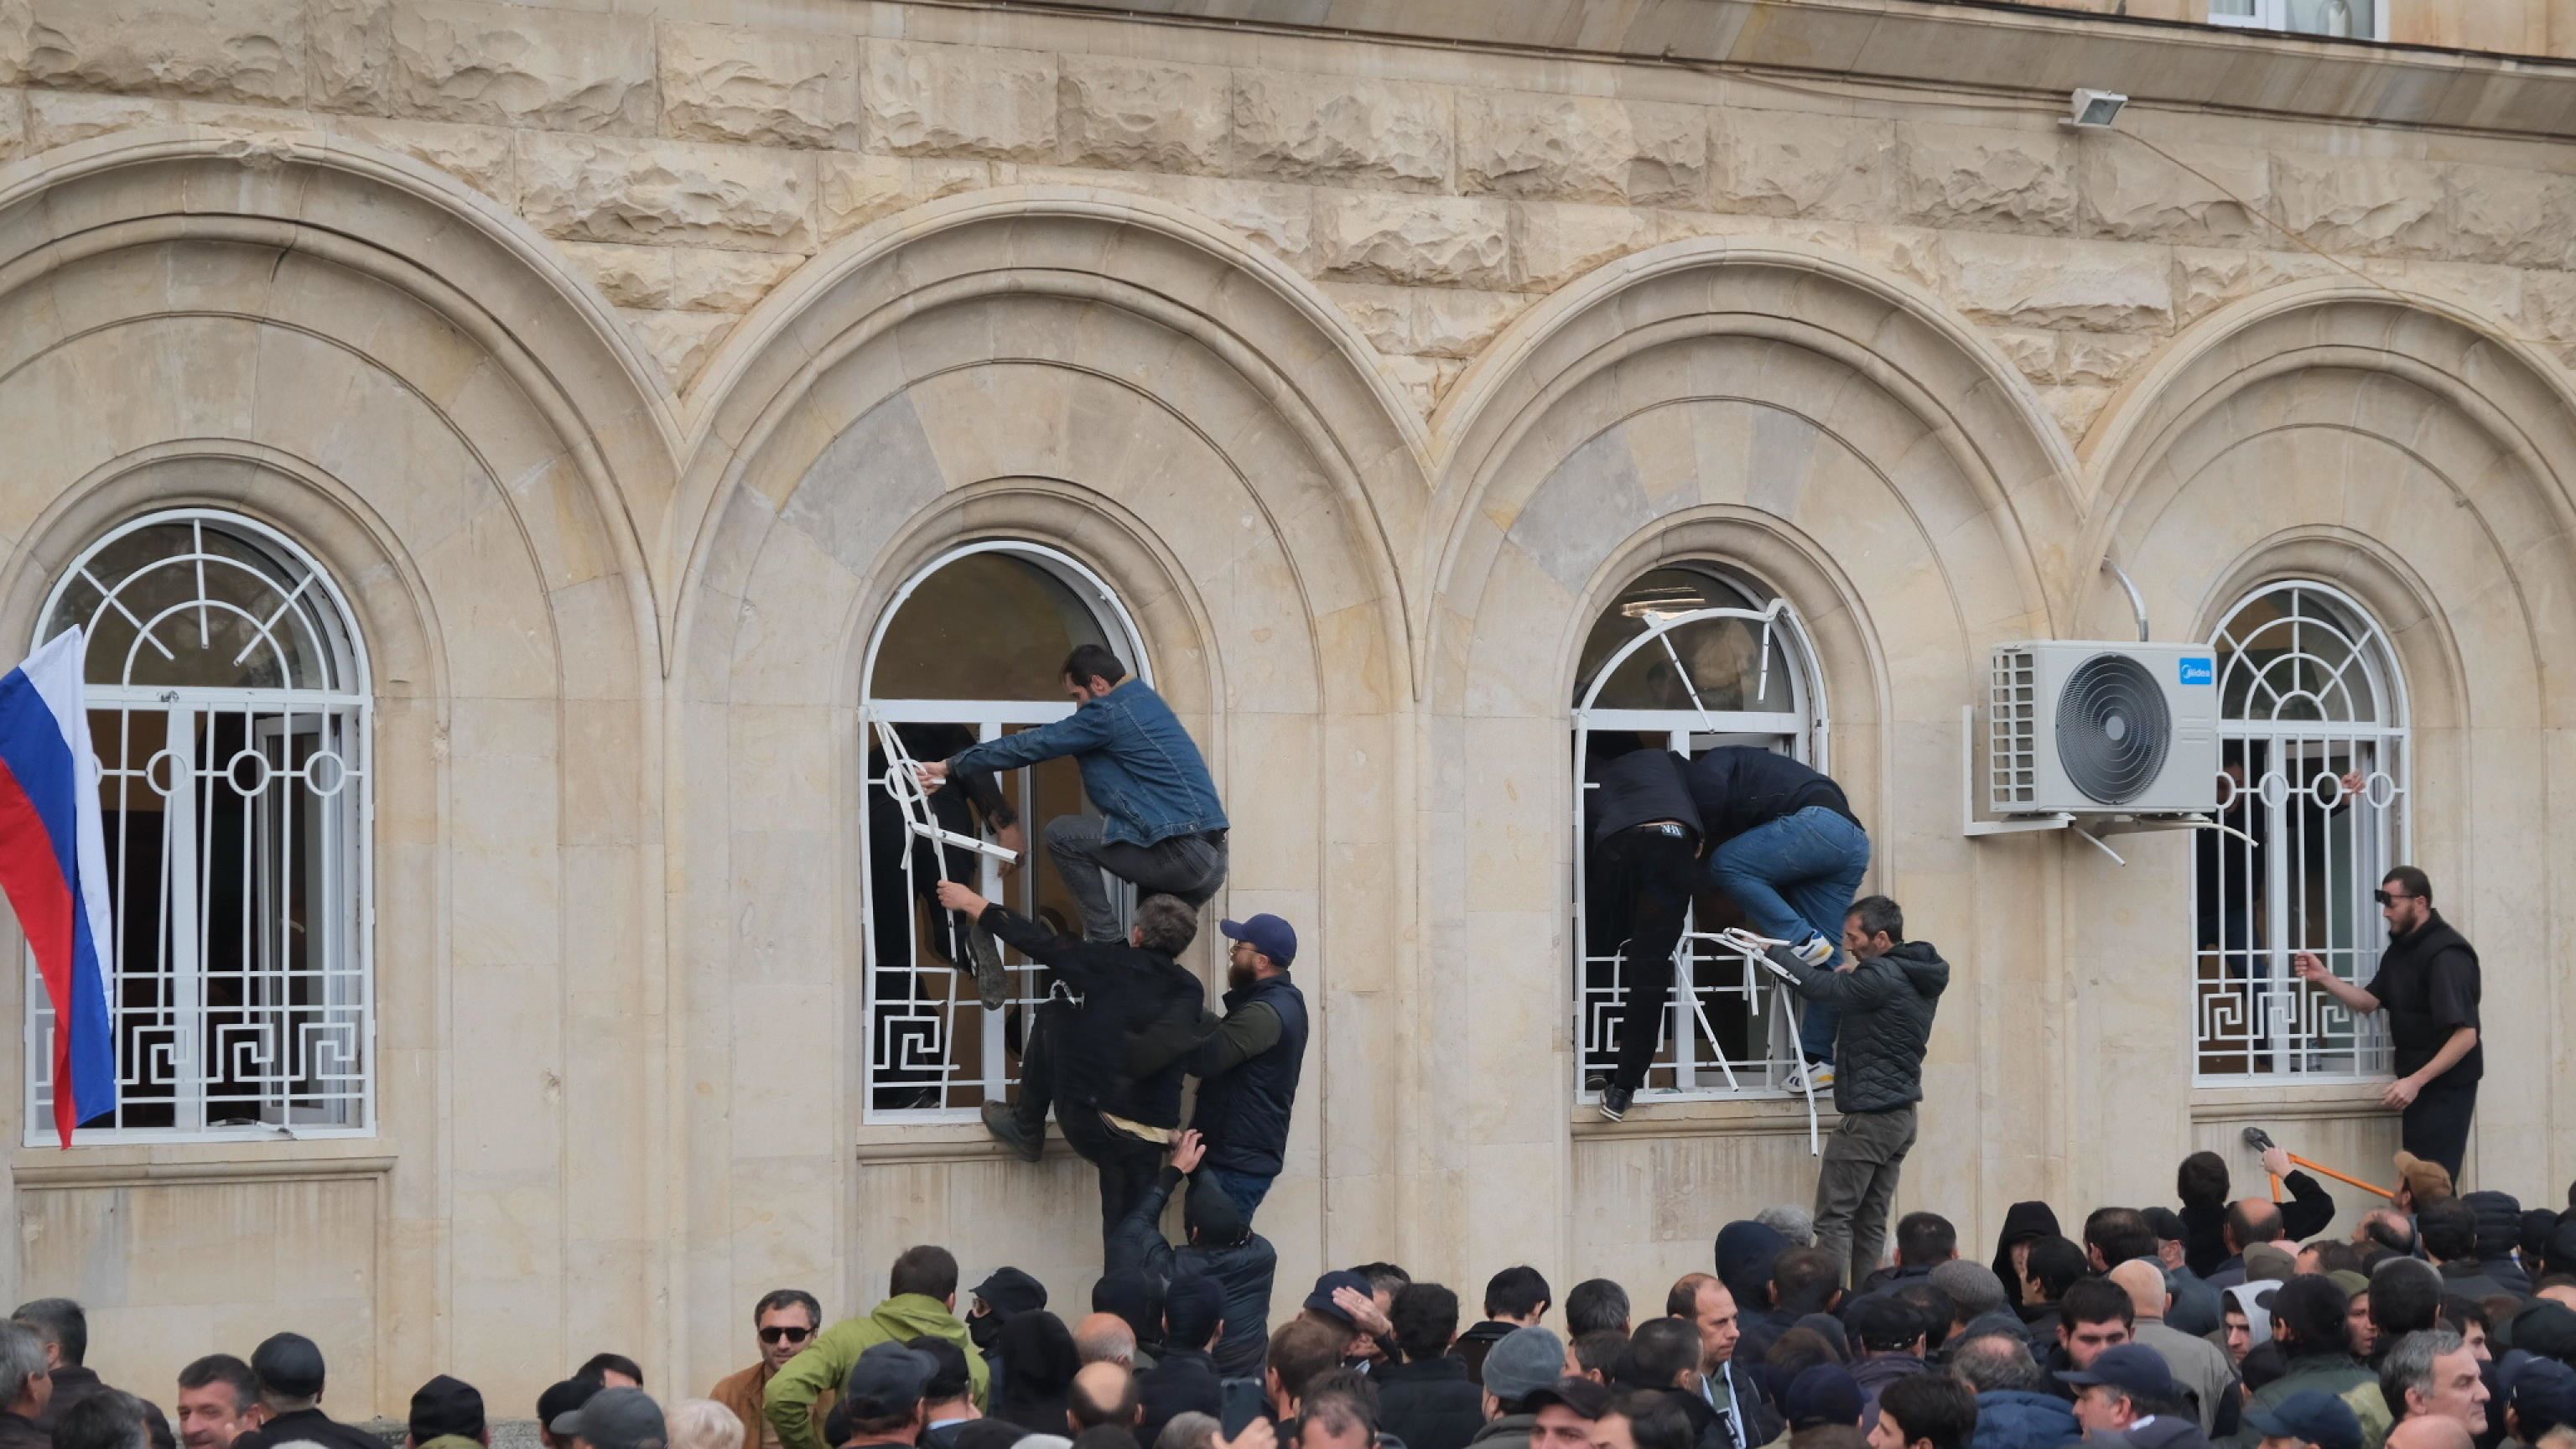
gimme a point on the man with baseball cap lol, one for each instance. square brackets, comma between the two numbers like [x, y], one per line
[2309, 1419]
[619, 1418]
[447, 1412]
[883, 1394]
[2540, 1395]
[289, 1370]
[2128, 1391]
[1248, 1071]
[1562, 1413]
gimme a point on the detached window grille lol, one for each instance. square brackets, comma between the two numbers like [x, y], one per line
[1686, 659]
[972, 649]
[229, 708]
[2308, 695]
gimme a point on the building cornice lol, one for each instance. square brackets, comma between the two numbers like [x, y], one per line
[1998, 48]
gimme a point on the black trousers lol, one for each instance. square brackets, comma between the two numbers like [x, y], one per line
[1657, 865]
[1127, 1166]
[2435, 1126]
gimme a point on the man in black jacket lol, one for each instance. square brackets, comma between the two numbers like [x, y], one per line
[290, 1373]
[2428, 985]
[1643, 832]
[25, 1385]
[1112, 1065]
[1427, 1400]
[62, 1326]
[1784, 845]
[1885, 999]
[1248, 1069]
[1222, 1246]
[1184, 1379]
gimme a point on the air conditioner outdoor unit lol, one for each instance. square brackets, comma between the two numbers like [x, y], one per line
[2095, 729]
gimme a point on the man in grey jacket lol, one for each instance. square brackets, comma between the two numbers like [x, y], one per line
[1885, 997]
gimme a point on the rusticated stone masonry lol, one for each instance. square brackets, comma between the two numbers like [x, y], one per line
[691, 166]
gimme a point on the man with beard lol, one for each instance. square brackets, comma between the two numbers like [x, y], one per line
[1248, 1070]
[2428, 985]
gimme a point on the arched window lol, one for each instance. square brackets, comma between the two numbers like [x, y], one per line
[2308, 695]
[1688, 657]
[229, 708]
[971, 649]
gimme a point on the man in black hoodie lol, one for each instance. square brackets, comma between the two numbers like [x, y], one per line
[2428, 985]
[1113, 1065]
[1515, 1298]
[1884, 1000]
[1427, 1400]
[1222, 1246]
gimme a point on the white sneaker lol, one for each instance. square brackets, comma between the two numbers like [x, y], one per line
[1814, 951]
[1811, 1077]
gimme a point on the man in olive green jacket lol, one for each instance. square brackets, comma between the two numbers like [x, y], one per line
[921, 1299]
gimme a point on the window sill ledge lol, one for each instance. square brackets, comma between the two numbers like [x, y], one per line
[134, 1164]
[1738, 1117]
[2252, 1103]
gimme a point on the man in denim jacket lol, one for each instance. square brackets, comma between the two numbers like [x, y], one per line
[1160, 827]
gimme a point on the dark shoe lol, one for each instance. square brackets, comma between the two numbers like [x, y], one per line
[1006, 1130]
[1615, 1100]
[992, 981]
[1595, 1081]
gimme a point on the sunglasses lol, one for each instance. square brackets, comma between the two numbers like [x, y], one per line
[782, 1333]
[2389, 898]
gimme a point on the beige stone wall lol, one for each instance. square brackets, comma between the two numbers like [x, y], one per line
[622, 364]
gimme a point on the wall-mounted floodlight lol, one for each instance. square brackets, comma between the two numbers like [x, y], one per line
[2093, 110]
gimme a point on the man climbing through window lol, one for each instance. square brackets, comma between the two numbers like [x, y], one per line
[1643, 830]
[1785, 846]
[1160, 826]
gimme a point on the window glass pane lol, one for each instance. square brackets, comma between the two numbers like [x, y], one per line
[192, 604]
[1719, 659]
[2327, 17]
[2232, 9]
[987, 626]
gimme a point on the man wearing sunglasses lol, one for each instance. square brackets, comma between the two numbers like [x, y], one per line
[785, 1321]
[2428, 985]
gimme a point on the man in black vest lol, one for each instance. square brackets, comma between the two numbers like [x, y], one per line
[2428, 985]
[1248, 1071]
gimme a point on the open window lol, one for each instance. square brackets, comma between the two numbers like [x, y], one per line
[1688, 657]
[971, 649]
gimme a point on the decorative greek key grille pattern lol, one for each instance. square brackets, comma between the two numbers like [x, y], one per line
[229, 708]
[2314, 770]
[1687, 661]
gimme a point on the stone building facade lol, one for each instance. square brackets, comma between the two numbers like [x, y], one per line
[592, 388]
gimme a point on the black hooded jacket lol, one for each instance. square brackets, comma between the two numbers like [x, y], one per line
[2023, 1221]
[1127, 1047]
[1243, 1266]
[1038, 1365]
[1886, 1004]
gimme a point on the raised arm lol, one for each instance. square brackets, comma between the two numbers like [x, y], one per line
[2317, 974]
[1084, 730]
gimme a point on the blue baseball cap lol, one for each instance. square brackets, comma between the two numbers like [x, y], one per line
[1267, 934]
[2310, 1416]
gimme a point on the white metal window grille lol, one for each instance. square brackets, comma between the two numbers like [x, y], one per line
[1686, 659]
[971, 649]
[229, 708]
[2308, 695]
[2347, 19]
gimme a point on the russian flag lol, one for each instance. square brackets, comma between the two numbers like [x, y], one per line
[53, 867]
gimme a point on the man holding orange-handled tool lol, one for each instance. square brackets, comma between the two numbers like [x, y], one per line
[2428, 985]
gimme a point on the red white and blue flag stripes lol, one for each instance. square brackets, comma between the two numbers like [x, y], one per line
[53, 867]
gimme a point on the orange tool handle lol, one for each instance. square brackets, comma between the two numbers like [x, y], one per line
[2337, 1176]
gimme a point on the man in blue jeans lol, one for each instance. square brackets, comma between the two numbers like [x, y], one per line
[1785, 846]
[1160, 827]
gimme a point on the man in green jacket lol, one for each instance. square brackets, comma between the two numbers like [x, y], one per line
[921, 1299]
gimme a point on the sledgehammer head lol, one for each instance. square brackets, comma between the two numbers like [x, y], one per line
[2258, 1139]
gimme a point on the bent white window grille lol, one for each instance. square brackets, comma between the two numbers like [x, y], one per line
[229, 708]
[2308, 695]
[971, 649]
[1687, 659]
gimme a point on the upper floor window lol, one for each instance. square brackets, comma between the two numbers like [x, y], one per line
[2308, 695]
[229, 708]
[2349, 19]
[972, 649]
[1688, 657]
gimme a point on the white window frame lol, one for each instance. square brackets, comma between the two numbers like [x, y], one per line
[1699, 1069]
[989, 1077]
[2274, 15]
[342, 800]
[2266, 1019]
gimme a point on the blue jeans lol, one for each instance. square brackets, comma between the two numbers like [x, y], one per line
[1795, 877]
[1247, 1189]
